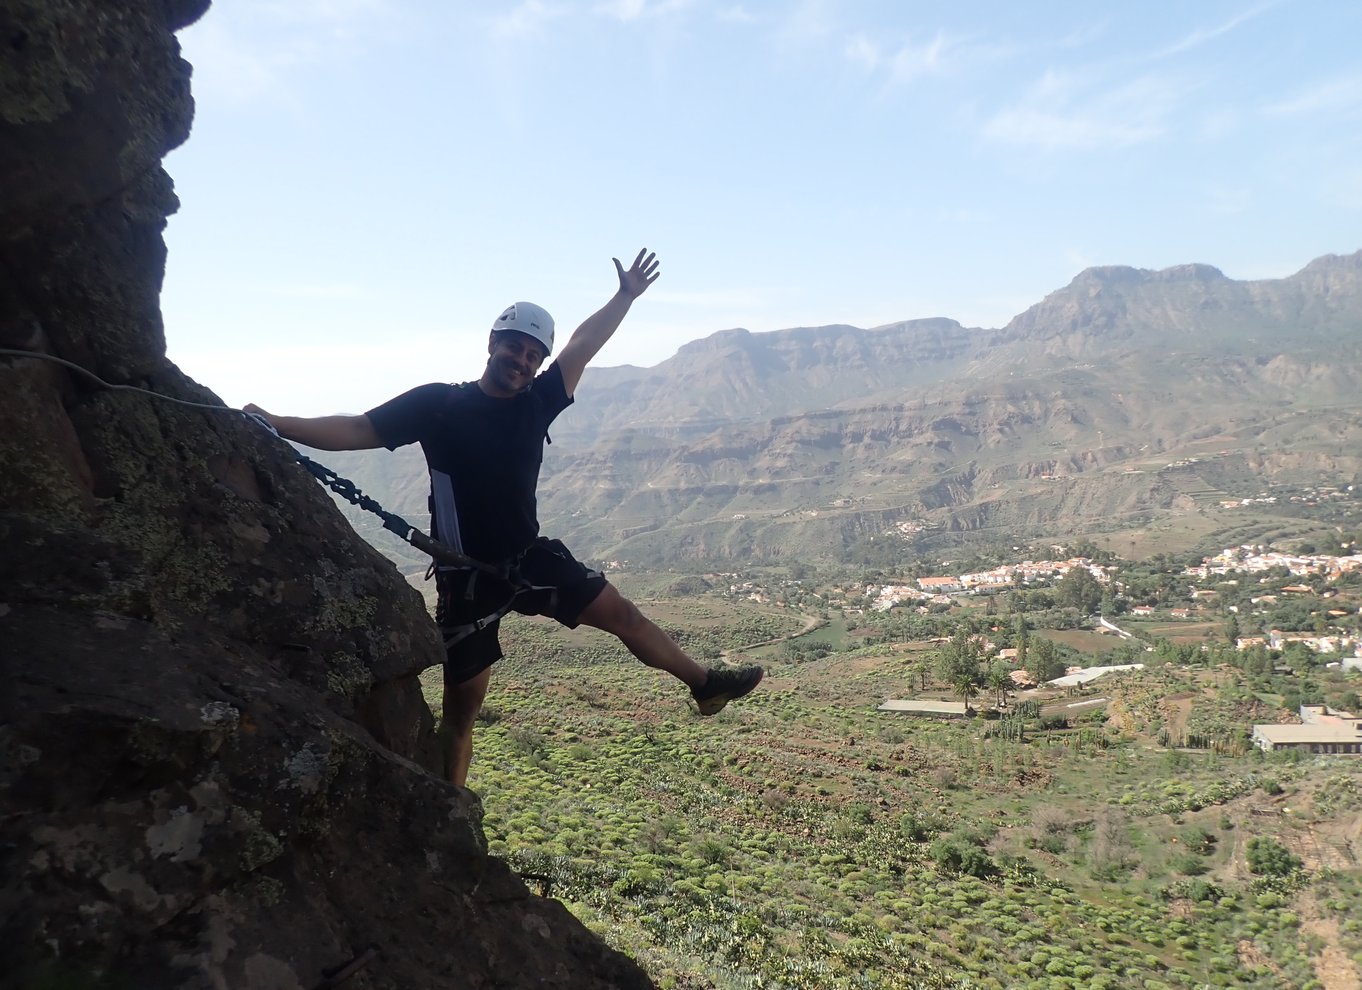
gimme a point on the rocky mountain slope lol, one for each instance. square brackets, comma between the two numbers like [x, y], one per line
[214, 752]
[810, 442]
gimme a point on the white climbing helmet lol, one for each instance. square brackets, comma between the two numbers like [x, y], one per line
[529, 319]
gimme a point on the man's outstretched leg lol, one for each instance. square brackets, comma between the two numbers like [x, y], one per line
[462, 703]
[712, 688]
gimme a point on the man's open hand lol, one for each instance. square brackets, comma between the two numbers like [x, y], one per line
[641, 274]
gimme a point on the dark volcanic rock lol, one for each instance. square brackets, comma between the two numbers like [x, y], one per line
[214, 753]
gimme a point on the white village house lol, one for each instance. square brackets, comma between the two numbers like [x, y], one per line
[1322, 730]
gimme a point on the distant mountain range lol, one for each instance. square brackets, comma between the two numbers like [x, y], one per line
[808, 443]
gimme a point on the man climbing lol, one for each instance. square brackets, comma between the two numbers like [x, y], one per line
[484, 443]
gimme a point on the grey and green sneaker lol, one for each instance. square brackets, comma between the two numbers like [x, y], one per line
[725, 684]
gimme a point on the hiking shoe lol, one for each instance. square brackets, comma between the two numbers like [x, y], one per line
[725, 684]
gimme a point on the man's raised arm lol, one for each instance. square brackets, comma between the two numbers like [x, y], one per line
[597, 328]
[324, 432]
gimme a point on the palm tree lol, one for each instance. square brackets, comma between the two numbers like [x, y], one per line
[957, 663]
[922, 668]
[1000, 680]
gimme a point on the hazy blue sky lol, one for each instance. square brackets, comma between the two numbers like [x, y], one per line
[369, 182]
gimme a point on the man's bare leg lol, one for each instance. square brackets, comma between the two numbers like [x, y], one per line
[615, 614]
[461, 706]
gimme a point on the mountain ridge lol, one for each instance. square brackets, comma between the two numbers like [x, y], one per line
[758, 444]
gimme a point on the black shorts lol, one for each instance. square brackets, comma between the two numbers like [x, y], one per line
[560, 587]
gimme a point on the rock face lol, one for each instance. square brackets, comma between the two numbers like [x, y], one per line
[214, 752]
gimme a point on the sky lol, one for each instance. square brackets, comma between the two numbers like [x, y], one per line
[368, 183]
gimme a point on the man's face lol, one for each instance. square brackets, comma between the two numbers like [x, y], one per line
[513, 361]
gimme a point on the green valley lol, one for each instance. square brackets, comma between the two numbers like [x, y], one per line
[1120, 834]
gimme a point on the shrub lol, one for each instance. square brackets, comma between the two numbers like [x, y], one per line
[1055, 845]
[1189, 864]
[1206, 890]
[919, 826]
[1268, 857]
[1199, 841]
[1051, 820]
[526, 739]
[945, 778]
[1110, 853]
[958, 856]
[774, 799]
[860, 813]
[711, 851]
[488, 715]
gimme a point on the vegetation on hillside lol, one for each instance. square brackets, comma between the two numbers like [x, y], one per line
[804, 839]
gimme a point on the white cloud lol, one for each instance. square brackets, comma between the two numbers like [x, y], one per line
[633, 10]
[1331, 96]
[624, 10]
[1074, 111]
[863, 51]
[529, 17]
[809, 22]
[1081, 37]
[901, 65]
[1060, 111]
[737, 14]
[911, 61]
[1202, 35]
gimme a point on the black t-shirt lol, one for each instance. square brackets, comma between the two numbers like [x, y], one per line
[483, 454]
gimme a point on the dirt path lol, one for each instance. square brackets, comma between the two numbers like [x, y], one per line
[1333, 966]
[1176, 709]
[811, 622]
